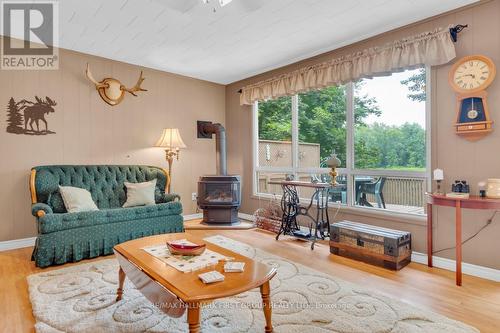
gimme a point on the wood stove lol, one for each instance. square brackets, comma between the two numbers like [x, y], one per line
[219, 196]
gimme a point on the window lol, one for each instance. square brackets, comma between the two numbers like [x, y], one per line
[275, 133]
[377, 127]
[321, 126]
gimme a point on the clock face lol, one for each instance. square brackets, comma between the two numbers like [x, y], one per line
[472, 74]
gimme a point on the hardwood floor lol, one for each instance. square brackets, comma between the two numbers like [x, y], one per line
[477, 302]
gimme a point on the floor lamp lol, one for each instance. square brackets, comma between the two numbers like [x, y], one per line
[172, 142]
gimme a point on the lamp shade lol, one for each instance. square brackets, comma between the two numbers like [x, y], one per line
[170, 138]
[333, 161]
[438, 174]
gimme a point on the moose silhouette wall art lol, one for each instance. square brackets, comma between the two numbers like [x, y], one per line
[28, 117]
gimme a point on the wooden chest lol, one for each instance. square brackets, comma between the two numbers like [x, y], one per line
[386, 247]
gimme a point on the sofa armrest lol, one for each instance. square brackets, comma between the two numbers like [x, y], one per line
[167, 197]
[39, 209]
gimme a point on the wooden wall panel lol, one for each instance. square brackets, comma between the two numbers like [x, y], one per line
[459, 158]
[88, 131]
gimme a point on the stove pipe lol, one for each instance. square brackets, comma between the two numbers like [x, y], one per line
[205, 130]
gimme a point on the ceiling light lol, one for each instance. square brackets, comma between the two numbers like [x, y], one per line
[222, 3]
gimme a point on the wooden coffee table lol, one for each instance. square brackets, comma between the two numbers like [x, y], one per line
[165, 285]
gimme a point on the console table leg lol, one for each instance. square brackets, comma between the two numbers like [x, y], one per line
[193, 317]
[429, 235]
[121, 280]
[458, 222]
[265, 291]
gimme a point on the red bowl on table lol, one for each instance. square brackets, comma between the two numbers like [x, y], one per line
[185, 249]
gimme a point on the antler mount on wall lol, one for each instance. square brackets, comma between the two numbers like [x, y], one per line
[111, 90]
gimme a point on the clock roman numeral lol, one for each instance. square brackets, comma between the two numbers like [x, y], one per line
[482, 78]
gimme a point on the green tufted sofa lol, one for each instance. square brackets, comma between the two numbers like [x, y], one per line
[69, 237]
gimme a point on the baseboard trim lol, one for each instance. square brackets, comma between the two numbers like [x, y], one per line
[17, 243]
[247, 217]
[190, 217]
[243, 216]
[450, 265]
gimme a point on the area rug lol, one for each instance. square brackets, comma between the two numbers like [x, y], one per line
[82, 299]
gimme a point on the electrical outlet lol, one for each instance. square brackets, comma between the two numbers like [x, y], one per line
[194, 196]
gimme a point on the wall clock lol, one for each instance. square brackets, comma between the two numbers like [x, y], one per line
[469, 77]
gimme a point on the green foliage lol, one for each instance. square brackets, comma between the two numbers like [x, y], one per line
[381, 146]
[367, 156]
[275, 119]
[322, 119]
[416, 86]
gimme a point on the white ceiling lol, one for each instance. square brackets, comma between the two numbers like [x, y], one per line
[244, 38]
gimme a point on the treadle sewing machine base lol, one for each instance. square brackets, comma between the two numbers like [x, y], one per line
[290, 204]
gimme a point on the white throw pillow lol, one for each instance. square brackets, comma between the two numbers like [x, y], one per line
[77, 199]
[140, 194]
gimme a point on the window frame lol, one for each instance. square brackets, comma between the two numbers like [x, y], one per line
[350, 171]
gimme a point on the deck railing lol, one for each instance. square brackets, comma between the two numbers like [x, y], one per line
[403, 191]
[400, 191]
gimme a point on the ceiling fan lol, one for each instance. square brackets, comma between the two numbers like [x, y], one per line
[245, 5]
[222, 3]
[185, 6]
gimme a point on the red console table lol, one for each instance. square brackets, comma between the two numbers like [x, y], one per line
[473, 202]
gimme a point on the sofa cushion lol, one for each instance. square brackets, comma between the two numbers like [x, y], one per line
[77, 199]
[56, 222]
[140, 194]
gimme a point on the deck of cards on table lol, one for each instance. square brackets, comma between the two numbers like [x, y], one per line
[211, 277]
[234, 267]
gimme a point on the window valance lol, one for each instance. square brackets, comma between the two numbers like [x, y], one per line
[430, 48]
